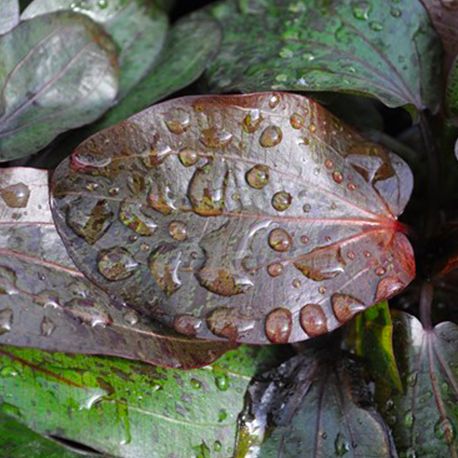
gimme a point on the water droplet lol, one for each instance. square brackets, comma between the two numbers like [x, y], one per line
[163, 264]
[252, 121]
[116, 264]
[361, 10]
[130, 317]
[376, 26]
[16, 195]
[187, 324]
[321, 263]
[280, 240]
[229, 323]
[281, 201]
[380, 271]
[274, 101]
[275, 269]
[409, 419]
[337, 177]
[86, 161]
[88, 311]
[47, 327]
[304, 239]
[217, 446]
[322, 290]
[271, 136]
[278, 325]
[297, 121]
[156, 154]
[6, 320]
[412, 379]
[221, 381]
[328, 164]
[351, 186]
[136, 183]
[445, 430]
[188, 157]
[177, 121]
[306, 208]
[345, 306]
[8, 280]
[341, 445]
[296, 283]
[410, 453]
[222, 415]
[132, 215]
[196, 384]
[388, 287]
[215, 138]
[102, 4]
[313, 320]
[395, 12]
[367, 254]
[178, 231]
[258, 176]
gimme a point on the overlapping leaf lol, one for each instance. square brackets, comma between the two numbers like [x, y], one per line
[257, 218]
[366, 47]
[424, 418]
[58, 71]
[313, 405]
[46, 302]
[127, 409]
[138, 28]
[9, 16]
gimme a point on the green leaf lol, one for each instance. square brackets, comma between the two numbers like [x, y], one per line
[452, 90]
[190, 45]
[137, 27]
[57, 71]
[424, 418]
[314, 405]
[366, 47]
[9, 16]
[128, 409]
[18, 441]
[373, 331]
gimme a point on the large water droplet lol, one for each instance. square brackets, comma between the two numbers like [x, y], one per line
[278, 325]
[86, 161]
[258, 176]
[16, 195]
[177, 121]
[116, 263]
[132, 215]
[280, 240]
[313, 320]
[281, 201]
[321, 263]
[178, 231]
[164, 263]
[6, 320]
[188, 157]
[271, 136]
[345, 306]
[88, 312]
[215, 138]
[229, 323]
[252, 121]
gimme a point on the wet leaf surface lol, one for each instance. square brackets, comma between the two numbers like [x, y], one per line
[46, 302]
[10, 15]
[128, 409]
[314, 405]
[58, 72]
[365, 47]
[137, 27]
[257, 218]
[424, 418]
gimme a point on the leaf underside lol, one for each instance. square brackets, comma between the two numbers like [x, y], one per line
[46, 302]
[257, 218]
[10, 15]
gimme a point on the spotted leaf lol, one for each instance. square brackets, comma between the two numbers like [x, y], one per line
[269, 220]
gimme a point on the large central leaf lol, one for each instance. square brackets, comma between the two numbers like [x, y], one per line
[256, 218]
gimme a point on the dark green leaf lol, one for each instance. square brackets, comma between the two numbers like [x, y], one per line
[128, 409]
[314, 405]
[57, 71]
[424, 418]
[46, 302]
[9, 15]
[452, 90]
[138, 28]
[386, 51]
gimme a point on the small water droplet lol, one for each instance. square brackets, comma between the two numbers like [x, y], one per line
[271, 136]
[116, 263]
[217, 446]
[275, 269]
[16, 195]
[252, 121]
[313, 320]
[306, 208]
[380, 271]
[281, 201]
[156, 154]
[409, 419]
[296, 283]
[412, 379]
[345, 306]
[177, 121]
[337, 177]
[215, 138]
[297, 121]
[361, 10]
[351, 186]
[164, 263]
[396, 12]
[133, 216]
[131, 317]
[328, 164]
[258, 176]
[88, 311]
[341, 445]
[47, 327]
[187, 324]
[274, 101]
[6, 320]
[221, 381]
[196, 384]
[178, 230]
[376, 26]
[304, 239]
[278, 325]
[86, 161]
[188, 157]
[280, 240]
[222, 415]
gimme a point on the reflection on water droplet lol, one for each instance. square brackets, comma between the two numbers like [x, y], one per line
[278, 325]
[177, 121]
[215, 138]
[178, 231]
[445, 430]
[275, 269]
[304, 239]
[187, 324]
[281, 201]
[47, 327]
[130, 317]
[341, 445]
[16, 195]
[164, 264]
[306, 208]
[252, 121]
[274, 101]
[6, 320]
[132, 215]
[322, 263]
[271, 136]
[297, 121]
[116, 263]
[188, 157]
[280, 240]
[345, 306]
[313, 320]
[258, 176]
[221, 380]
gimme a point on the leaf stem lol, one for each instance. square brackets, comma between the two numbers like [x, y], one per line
[426, 300]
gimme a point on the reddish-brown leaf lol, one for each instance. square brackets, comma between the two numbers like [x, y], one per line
[46, 302]
[256, 218]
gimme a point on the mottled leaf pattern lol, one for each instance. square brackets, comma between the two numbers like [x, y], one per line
[46, 302]
[57, 71]
[138, 28]
[127, 409]
[257, 218]
[367, 47]
[9, 16]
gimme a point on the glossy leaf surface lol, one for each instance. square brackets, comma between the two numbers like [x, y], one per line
[138, 28]
[131, 410]
[424, 418]
[257, 218]
[46, 302]
[58, 71]
[312, 406]
[390, 52]
[9, 16]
